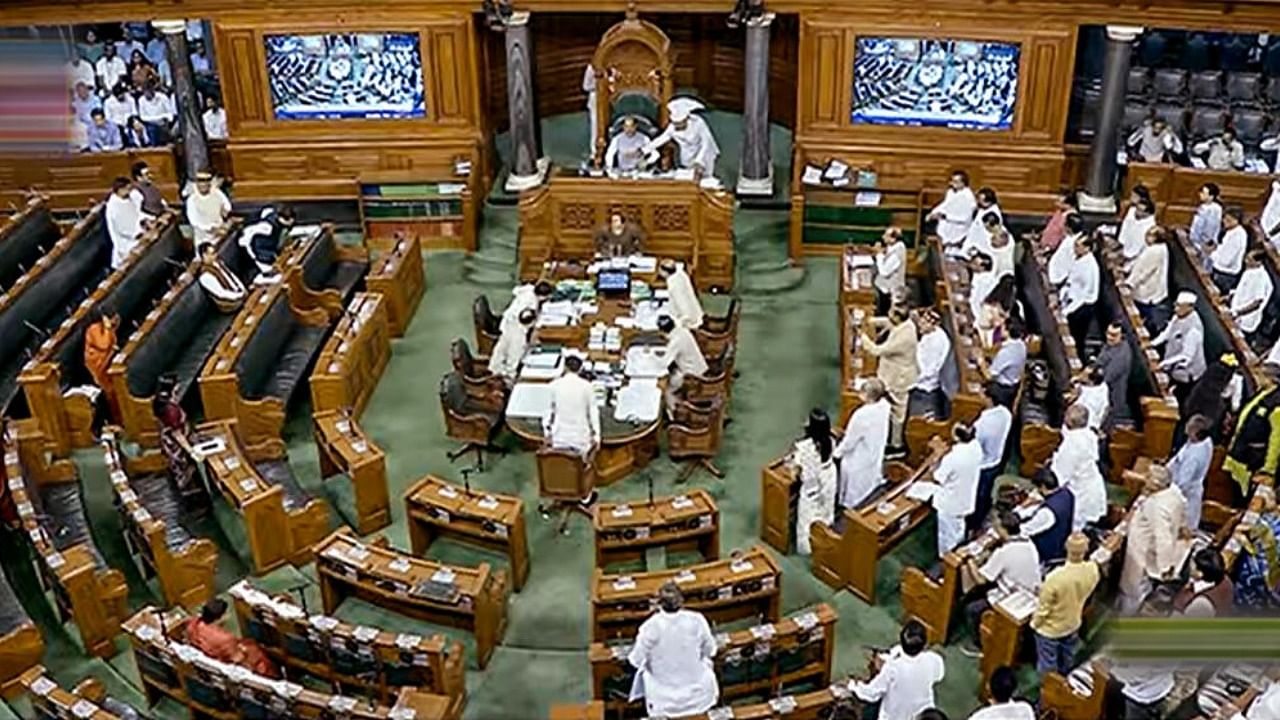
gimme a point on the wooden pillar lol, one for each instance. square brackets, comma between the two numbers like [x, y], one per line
[755, 175]
[528, 167]
[1099, 190]
[195, 148]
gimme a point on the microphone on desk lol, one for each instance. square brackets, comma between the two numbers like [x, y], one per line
[300, 591]
[466, 480]
[650, 490]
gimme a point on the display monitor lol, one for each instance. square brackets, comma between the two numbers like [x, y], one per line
[968, 84]
[345, 75]
[613, 281]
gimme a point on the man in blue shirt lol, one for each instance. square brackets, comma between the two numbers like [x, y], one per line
[1206, 226]
[1009, 362]
[84, 102]
[1190, 466]
[104, 135]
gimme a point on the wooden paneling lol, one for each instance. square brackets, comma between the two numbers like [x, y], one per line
[77, 181]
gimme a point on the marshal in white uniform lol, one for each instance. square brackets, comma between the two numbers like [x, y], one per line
[690, 132]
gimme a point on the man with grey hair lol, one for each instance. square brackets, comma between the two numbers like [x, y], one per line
[1183, 340]
[1075, 463]
[861, 450]
[1156, 539]
[673, 657]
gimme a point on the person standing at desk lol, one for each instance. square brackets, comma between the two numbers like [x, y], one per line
[686, 309]
[207, 208]
[955, 213]
[896, 366]
[1075, 463]
[125, 221]
[572, 421]
[698, 148]
[861, 450]
[619, 238]
[674, 659]
[1157, 535]
[891, 269]
[262, 239]
[956, 477]
[812, 458]
[904, 676]
[529, 295]
[1183, 338]
[626, 148]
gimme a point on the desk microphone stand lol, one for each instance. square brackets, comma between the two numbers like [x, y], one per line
[466, 479]
[650, 491]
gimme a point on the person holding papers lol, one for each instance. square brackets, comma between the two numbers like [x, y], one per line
[861, 450]
[904, 676]
[529, 295]
[1013, 566]
[955, 485]
[511, 347]
[1075, 463]
[685, 308]
[681, 355]
[955, 213]
[572, 421]
[1157, 537]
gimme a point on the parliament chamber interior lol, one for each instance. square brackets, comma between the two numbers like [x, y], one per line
[526, 359]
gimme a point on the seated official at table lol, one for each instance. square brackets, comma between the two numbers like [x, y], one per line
[1157, 535]
[1003, 685]
[262, 239]
[1014, 565]
[933, 348]
[529, 295]
[619, 238]
[1060, 608]
[206, 635]
[572, 421]
[626, 149]
[813, 460]
[1048, 523]
[861, 450]
[509, 351]
[218, 282]
[683, 305]
[1075, 463]
[904, 676]
[681, 354]
[1154, 141]
[1224, 152]
[674, 656]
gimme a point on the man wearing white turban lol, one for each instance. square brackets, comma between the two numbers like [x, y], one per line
[698, 148]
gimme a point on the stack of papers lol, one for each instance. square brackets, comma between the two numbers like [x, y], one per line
[638, 402]
[1019, 604]
[643, 263]
[529, 401]
[645, 362]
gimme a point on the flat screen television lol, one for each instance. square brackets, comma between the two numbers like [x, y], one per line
[967, 84]
[340, 76]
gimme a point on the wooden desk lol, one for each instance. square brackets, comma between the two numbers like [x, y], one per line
[67, 419]
[186, 575]
[1057, 695]
[1175, 189]
[51, 700]
[375, 661]
[494, 522]
[345, 449]
[558, 220]
[20, 650]
[856, 364]
[727, 589]
[593, 710]
[625, 531]
[70, 180]
[816, 705]
[399, 277]
[857, 285]
[353, 358]
[211, 689]
[766, 659]
[883, 521]
[277, 533]
[474, 599]
[85, 589]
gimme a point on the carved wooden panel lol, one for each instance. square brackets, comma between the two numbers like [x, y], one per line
[450, 83]
[81, 180]
[673, 218]
[577, 216]
[822, 81]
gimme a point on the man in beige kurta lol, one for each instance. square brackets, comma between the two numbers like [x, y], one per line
[896, 367]
[1157, 538]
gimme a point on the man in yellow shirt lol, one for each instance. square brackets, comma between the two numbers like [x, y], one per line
[1061, 608]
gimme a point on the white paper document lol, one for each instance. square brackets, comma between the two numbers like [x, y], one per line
[529, 401]
[922, 490]
[638, 403]
[645, 361]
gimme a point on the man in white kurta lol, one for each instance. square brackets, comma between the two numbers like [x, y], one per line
[674, 656]
[681, 354]
[1138, 219]
[1064, 256]
[1156, 540]
[572, 421]
[1252, 293]
[957, 492]
[524, 297]
[861, 450]
[697, 146]
[903, 683]
[683, 304]
[891, 267]
[124, 221]
[509, 351]
[207, 208]
[626, 149]
[589, 87]
[955, 213]
[1075, 463]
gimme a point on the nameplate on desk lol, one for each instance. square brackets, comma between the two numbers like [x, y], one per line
[343, 426]
[11, 457]
[84, 709]
[55, 560]
[232, 463]
[399, 565]
[807, 620]
[333, 368]
[25, 508]
[444, 576]
[488, 502]
[741, 566]
[404, 641]
[446, 491]
[720, 713]
[681, 502]
[16, 483]
[342, 704]
[248, 485]
[118, 477]
[626, 582]
[43, 686]
[622, 511]
[441, 514]
[141, 515]
[342, 347]
[763, 632]
[783, 705]
[685, 576]
[360, 446]
[364, 634]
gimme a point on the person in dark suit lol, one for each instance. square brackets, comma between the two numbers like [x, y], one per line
[138, 135]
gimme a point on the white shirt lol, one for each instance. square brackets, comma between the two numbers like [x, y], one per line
[977, 239]
[207, 211]
[673, 656]
[891, 268]
[109, 70]
[627, 150]
[81, 72]
[992, 431]
[1012, 710]
[932, 350]
[1097, 400]
[697, 145]
[1149, 276]
[158, 109]
[1228, 256]
[1015, 565]
[1075, 462]
[1133, 232]
[957, 478]
[573, 418]
[509, 351]
[684, 306]
[980, 285]
[956, 210]
[1270, 218]
[119, 111]
[1255, 284]
[215, 124]
[124, 225]
[861, 452]
[1264, 707]
[1082, 283]
[212, 285]
[1063, 257]
[1002, 259]
[1144, 684]
[904, 685]
[682, 350]
[522, 296]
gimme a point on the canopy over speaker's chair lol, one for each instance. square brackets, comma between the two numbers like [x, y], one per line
[633, 72]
